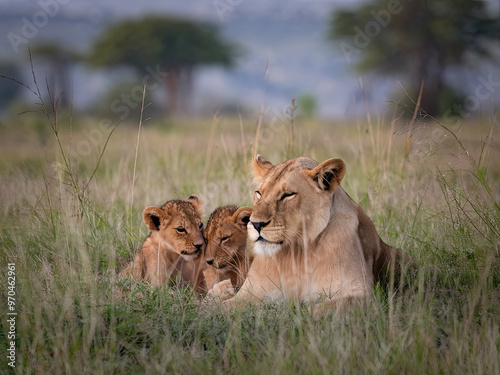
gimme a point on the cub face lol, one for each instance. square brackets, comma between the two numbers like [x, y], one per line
[292, 202]
[226, 236]
[178, 225]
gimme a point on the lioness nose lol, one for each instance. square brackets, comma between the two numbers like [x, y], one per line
[210, 262]
[259, 225]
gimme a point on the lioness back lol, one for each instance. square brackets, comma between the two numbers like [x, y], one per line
[174, 249]
[387, 260]
[226, 246]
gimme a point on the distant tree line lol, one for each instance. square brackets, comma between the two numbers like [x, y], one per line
[417, 41]
[169, 48]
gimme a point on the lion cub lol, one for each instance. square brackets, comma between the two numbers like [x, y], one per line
[226, 251]
[174, 249]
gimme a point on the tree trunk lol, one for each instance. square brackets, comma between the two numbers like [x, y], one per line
[431, 72]
[171, 81]
[431, 96]
[187, 89]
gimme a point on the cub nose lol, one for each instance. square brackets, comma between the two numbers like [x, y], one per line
[198, 247]
[259, 225]
[210, 262]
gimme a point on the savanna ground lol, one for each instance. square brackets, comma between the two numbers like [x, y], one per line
[70, 228]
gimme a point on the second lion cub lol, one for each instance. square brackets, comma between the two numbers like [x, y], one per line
[226, 251]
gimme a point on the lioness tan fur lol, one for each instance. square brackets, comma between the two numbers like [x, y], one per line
[312, 242]
[226, 246]
[174, 249]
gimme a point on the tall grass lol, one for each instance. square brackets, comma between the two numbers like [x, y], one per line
[70, 227]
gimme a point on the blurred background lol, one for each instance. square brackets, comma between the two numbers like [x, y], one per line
[200, 57]
[406, 92]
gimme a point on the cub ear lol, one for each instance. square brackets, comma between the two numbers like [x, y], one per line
[196, 202]
[260, 168]
[328, 174]
[242, 216]
[153, 217]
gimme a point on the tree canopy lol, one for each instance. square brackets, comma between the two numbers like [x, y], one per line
[416, 40]
[177, 45]
[170, 41]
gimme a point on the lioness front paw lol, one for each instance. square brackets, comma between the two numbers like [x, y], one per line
[223, 290]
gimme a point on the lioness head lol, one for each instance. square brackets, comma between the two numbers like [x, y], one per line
[226, 236]
[178, 225]
[292, 202]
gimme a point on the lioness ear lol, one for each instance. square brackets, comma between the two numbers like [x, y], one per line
[153, 216]
[242, 216]
[260, 168]
[196, 202]
[328, 174]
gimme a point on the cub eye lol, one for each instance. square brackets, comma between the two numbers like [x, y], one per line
[287, 195]
[257, 194]
[180, 230]
[224, 239]
[201, 226]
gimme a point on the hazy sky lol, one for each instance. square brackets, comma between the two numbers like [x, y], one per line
[290, 35]
[203, 9]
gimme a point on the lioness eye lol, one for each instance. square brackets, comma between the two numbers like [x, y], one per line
[201, 225]
[287, 195]
[258, 194]
[180, 230]
[224, 239]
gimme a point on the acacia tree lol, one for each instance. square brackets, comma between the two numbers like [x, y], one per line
[416, 40]
[177, 46]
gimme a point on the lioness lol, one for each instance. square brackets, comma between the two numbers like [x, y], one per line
[226, 249]
[174, 249]
[312, 242]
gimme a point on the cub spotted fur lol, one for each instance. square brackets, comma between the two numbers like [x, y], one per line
[175, 246]
[226, 249]
[312, 242]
